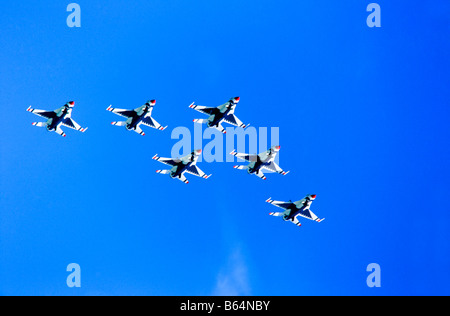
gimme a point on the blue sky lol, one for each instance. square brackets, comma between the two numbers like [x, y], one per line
[364, 124]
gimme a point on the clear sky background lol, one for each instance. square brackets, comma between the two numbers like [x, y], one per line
[364, 124]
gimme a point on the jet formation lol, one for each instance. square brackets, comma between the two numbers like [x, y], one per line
[142, 115]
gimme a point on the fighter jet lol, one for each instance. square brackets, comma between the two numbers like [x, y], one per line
[293, 210]
[220, 114]
[180, 166]
[263, 161]
[58, 118]
[136, 117]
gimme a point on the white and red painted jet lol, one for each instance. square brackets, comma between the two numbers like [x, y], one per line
[137, 117]
[220, 114]
[182, 165]
[263, 161]
[294, 210]
[58, 118]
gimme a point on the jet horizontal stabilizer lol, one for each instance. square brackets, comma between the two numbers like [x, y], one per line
[119, 123]
[200, 121]
[163, 171]
[276, 214]
[39, 124]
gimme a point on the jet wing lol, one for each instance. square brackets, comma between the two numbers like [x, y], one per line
[233, 120]
[121, 112]
[167, 161]
[280, 204]
[273, 167]
[70, 123]
[307, 213]
[203, 109]
[149, 121]
[42, 113]
[244, 156]
[196, 171]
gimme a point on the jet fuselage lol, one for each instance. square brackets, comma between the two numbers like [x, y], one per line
[297, 208]
[135, 120]
[53, 123]
[255, 166]
[180, 168]
[261, 159]
[216, 118]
